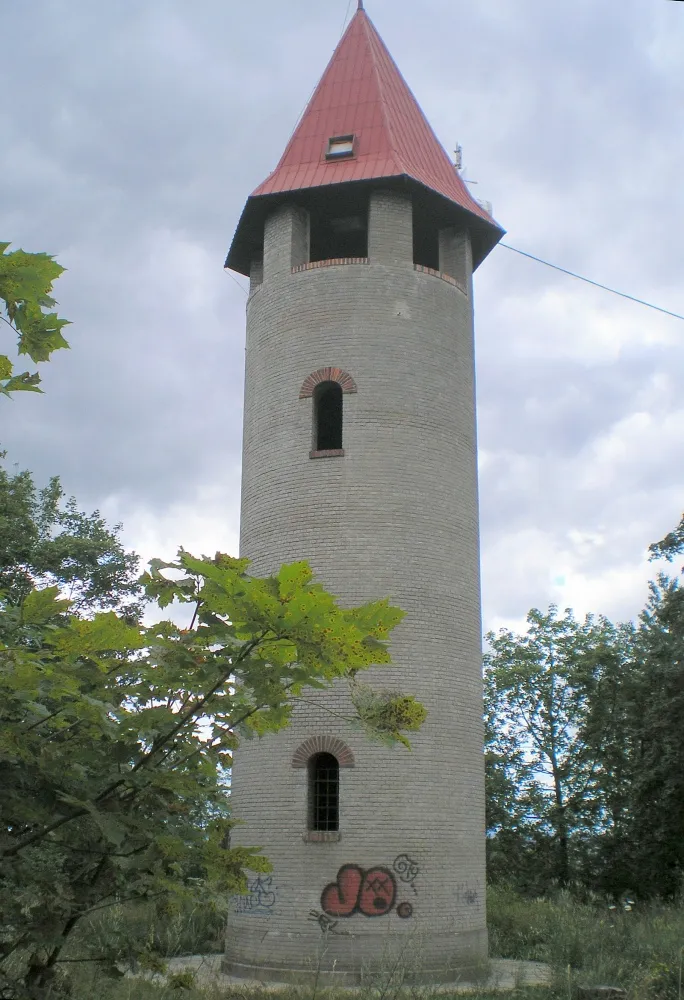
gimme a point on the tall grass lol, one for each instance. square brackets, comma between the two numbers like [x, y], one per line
[639, 948]
[195, 930]
[115, 938]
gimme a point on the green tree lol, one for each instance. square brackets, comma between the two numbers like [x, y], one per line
[585, 749]
[113, 737]
[45, 540]
[671, 546]
[26, 281]
[607, 678]
[657, 729]
[519, 850]
[546, 750]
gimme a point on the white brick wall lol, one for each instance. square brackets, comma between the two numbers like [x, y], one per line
[395, 517]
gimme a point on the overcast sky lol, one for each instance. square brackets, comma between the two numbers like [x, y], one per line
[137, 129]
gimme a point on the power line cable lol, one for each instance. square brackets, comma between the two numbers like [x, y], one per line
[238, 283]
[555, 267]
[596, 284]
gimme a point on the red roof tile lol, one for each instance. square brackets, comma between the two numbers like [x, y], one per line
[363, 93]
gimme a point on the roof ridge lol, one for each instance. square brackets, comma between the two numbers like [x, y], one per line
[417, 106]
[312, 94]
[371, 33]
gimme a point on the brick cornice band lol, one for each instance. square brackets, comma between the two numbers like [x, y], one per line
[342, 378]
[322, 744]
[437, 274]
[314, 265]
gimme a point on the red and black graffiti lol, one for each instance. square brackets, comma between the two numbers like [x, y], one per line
[369, 892]
[372, 892]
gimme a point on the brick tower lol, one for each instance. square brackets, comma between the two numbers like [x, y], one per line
[359, 455]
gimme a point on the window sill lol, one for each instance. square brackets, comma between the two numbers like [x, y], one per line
[321, 836]
[329, 453]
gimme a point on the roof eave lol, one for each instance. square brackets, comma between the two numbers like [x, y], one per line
[248, 238]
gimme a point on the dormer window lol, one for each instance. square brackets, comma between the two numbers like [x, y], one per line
[340, 147]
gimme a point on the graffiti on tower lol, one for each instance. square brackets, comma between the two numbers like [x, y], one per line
[260, 898]
[467, 893]
[326, 923]
[372, 892]
[407, 869]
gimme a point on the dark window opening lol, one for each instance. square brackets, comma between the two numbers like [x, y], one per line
[328, 416]
[425, 241]
[339, 229]
[324, 792]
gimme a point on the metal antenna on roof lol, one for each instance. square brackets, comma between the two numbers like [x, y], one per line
[458, 163]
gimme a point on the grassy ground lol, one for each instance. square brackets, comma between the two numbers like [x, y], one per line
[640, 950]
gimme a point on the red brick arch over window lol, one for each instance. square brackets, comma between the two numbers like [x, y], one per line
[327, 375]
[322, 744]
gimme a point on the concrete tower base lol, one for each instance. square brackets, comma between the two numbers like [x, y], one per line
[428, 958]
[503, 975]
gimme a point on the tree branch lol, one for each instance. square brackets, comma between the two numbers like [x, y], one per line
[37, 835]
[10, 325]
[45, 719]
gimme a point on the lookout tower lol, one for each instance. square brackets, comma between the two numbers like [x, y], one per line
[359, 455]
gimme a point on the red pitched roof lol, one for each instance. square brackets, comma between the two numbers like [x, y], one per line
[363, 93]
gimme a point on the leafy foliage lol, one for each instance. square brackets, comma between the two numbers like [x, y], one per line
[115, 736]
[45, 540]
[657, 814]
[383, 715]
[585, 757]
[670, 546]
[26, 281]
[541, 690]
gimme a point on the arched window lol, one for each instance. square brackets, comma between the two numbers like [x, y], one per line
[324, 792]
[327, 398]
